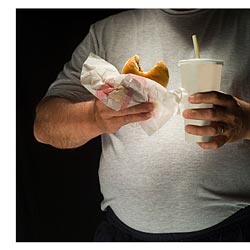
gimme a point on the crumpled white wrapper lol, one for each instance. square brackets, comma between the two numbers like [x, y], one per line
[120, 91]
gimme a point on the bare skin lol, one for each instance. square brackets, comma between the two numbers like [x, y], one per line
[64, 124]
[230, 118]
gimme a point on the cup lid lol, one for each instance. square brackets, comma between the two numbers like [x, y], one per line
[200, 61]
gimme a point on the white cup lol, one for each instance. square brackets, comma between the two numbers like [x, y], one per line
[199, 75]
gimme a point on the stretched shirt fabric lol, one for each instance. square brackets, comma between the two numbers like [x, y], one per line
[160, 183]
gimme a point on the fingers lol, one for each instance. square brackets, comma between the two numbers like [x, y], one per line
[216, 113]
[228, 117]
[213, 97]
[109, 120]
[137, 109]
[214, 129]
[218, 132]
[217, 142]
[123, 120]
[137, 113]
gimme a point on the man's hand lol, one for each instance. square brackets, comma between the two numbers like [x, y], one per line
[64, 124]
[230, 118]
[109, 120]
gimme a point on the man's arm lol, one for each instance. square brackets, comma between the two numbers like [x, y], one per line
[64, 124]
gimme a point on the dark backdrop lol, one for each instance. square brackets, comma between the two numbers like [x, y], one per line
[57, 191]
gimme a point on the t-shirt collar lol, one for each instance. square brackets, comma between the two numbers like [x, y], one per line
[181, 11]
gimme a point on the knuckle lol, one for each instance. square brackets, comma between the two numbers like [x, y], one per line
[213, 131]
[211, 113]
[197, 97]
[216, 95]
[235, 103]
[221, 96]
[195, 130]
[236, 120]
[229, 98]
[127, 119]
[123, 111]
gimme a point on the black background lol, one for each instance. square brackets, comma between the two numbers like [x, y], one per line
[58, 196]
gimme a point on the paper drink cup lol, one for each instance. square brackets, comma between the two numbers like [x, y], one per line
[199, 75]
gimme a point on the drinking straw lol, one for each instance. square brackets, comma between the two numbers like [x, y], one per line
[196, 46]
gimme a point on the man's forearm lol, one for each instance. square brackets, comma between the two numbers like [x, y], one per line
[63, 124]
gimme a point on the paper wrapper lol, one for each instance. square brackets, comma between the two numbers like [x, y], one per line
[119, 91]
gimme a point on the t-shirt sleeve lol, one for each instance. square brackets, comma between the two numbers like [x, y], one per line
[68, 85]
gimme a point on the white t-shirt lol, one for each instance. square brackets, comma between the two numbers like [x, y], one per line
[160, 183]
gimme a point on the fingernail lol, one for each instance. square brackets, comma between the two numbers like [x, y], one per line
[151, 106]
[191, 98]
[184, 113]
[187, 129]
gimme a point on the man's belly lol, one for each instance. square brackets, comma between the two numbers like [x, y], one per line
[162, 184]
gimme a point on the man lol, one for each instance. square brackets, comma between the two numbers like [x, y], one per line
[160, 188]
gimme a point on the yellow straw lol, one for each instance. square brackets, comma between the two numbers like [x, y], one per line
[196, 46]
